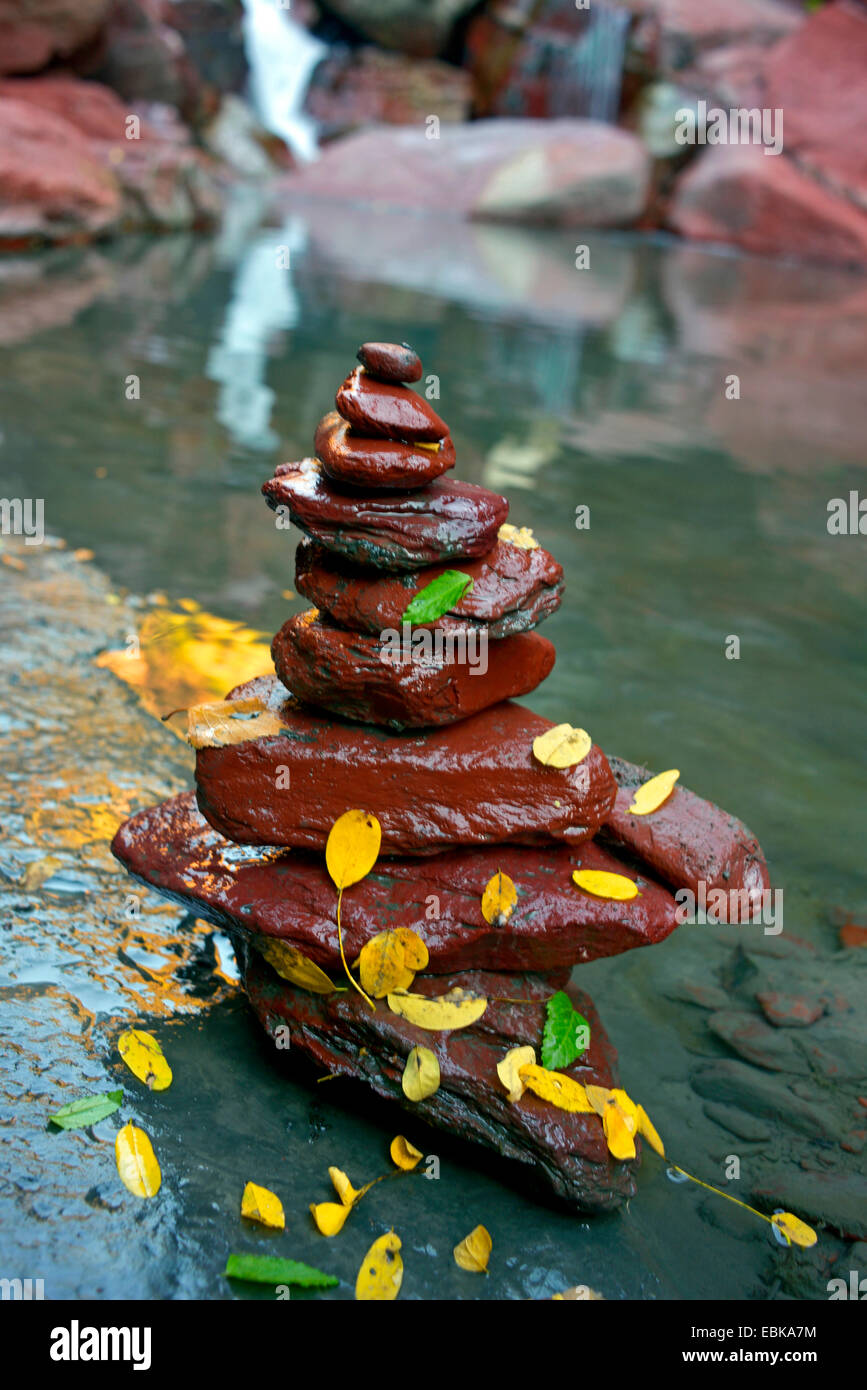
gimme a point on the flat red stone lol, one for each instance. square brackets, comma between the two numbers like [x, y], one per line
[390, 361]
[387, 410]
[356, 676]
[347, 458]
[338, 1033]
[389, 530]
[289, 895]
[471, 783]
[513, 590]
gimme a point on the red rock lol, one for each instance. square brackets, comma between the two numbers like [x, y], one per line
[347, 458]
[390, 530]
[338, 1033]
[472, 783]
[355, 87]
[387, 411]
[291, 897]
[763, 203]
[390, 361]
[852, 936]
[687, 841]
[513, 589]
[33, 32]
[790, 1010]
[358, 676]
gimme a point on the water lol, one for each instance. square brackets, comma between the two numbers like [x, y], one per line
[281, 55]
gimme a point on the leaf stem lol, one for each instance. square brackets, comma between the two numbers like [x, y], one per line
[729, 1198]
[343, 956]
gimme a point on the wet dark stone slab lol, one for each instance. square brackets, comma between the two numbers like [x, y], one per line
[566, 1151]
[267, 892]
[357, 676]
[475, 782]
[389, 530]
[513, 590]
[388, 411]
[390, 361]
[378, 463]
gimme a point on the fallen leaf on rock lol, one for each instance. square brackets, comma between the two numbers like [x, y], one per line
[457, 1009]
[604, 885]
[521, 536]
[796, 1231]
[351, 851]
[330, 1217]
[381, 1273]
[619, 1119]
[560, 1090]
[438, 597]
[144, 1057]
[650, 795]
[421, 1074]
[562, 746]
[579, 1291]
[474, 1251]
[258, 1204]
[509, 1071]
[270, 1269]
[404, 1154]
[391, 960]
[498, 900]
[137, 1164]
[291, 964]
[566, 1035]
[227, 722]
[87, 1111]
[646, 1129]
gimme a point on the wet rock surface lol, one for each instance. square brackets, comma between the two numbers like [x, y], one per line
[349, 458]
[390, 361]
[387, 410]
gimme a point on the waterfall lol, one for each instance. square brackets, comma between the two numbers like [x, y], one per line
[281, 55]
[583, 75]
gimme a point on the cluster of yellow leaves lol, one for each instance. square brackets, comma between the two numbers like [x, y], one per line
[521, 536]
[650, 796]
[498, 899]
[330, 1217]
[259, 1204]
[606, 885]
[562, 746]
[390, 961]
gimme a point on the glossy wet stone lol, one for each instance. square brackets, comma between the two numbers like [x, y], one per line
[390, 361]
[513, 590]
[471, 783]
[389, 530]
[348, 458]
[406, 680]
[290, 895]
[339, 1033]
[385, 409]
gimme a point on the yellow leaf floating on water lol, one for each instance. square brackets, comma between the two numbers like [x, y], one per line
[421, 1074]
[390, 961]
[521, 536]
[560, 1090]
[381, 1273]
[508, 1070]
[498, 899]
[650, 796]
[457, 1009]
[144, 1057]
[474, 1251]
[227, 722]
[604, 885]
[352, 848]
[348, 1194]
[137, 1164]
[404, 1154]
[794, 1229]
[329, 1216]
[258, 1204]
[647, 1130]
[578, 1292]
[291, 964]
[38, 871]
[562, 746]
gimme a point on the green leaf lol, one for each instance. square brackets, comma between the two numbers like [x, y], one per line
[566, 1035]
[87, 1111]
[269, 1269]
[437, 597]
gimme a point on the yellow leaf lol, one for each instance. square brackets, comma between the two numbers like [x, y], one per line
[650, 1134]
[562, 746]
[404, 1154]
[509, 1070]
[390, 960]
[794, 1229]
[521, 536]
[227, 722]
[560, 1090]
[258, 1204]
[348, 1194]
[619, 1118]
[498, 899]
[474, 1251]
[291, 964]
[144, 1057]
[137, 1164]
[652, 794]
[579, 1291]
[421, 1075]
[605, 885]
[329, 1216]
[381, 1273]
[352, 848]
[457, 1009]
[38, 871]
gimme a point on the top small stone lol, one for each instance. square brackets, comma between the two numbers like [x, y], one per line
[390, 361]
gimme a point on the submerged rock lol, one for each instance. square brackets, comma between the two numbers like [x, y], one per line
[349, 458]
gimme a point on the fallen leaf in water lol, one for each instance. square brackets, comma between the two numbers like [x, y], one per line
[381, 1273]
[38, 871]
[521, 536]
[291, 964]
[270, 1269]
[228, 722]
[509, 1071]
[650, 796]
[137, 1164]
[498, 899]
[474, 1251]
[144, 1057]
[421, 1074]
[794, 1229]
[258, 1204]
[404, 1154]
[330, 1217]
[562, 746]
[87, 1111]
[605, 885]
[579, 1291]
[457, 1009]
[348, 1194]
[566, 1035]
[391, 960]
[556, 1088]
